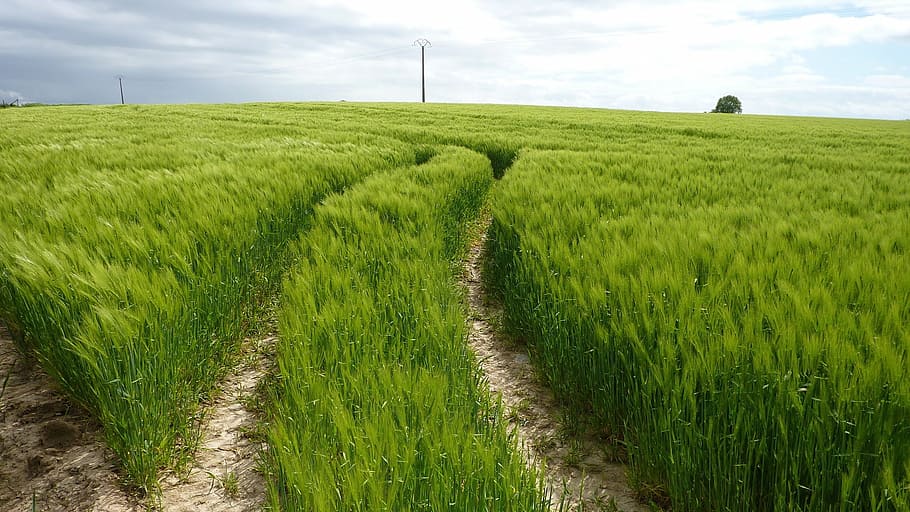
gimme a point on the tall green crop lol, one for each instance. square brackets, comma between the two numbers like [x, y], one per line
[728, 293]
[741, 318]
[378, 405]
[127, 257]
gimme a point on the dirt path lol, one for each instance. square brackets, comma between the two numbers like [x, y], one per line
[225, 475]
[578, 464]
[51, 452]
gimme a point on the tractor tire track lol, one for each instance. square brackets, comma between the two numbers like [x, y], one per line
[225, 474]
[578, 469]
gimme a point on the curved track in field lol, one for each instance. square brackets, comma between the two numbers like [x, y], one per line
[225, 475]
[579, 467]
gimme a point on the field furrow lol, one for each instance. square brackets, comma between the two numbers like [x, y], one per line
[130, 278]
[378, 405]
[582, 469]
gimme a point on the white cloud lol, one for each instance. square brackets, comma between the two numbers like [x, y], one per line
[691, 50]
[899, 82]
[668, 54]
[462, 21]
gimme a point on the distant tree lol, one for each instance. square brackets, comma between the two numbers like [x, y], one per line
[729, 104]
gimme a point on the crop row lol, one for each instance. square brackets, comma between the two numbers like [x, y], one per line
[741, 325]
[379, 404]
[127, 263]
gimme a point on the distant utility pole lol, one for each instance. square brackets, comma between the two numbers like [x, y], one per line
[422, 43]
[120, 79]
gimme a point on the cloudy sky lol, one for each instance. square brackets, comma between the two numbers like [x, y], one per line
[803, 57]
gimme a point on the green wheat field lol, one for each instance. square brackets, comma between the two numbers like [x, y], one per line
[728, 296]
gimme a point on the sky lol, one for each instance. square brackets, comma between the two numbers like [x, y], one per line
[788, 57]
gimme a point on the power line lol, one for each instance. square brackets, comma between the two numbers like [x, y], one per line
[120, 80]
[771, 15]
[786, 14]
[325, 65]
[422, 43]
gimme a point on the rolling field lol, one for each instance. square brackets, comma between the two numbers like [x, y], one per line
[726, 297]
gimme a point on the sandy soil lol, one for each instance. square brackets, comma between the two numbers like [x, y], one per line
[225, 475]
[578, 465]
[52, 452]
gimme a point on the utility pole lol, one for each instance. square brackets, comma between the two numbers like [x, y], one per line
[422, 43]
[120, 79]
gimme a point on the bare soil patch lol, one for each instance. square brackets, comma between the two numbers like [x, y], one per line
[225, 474]
[578, 465]
[53, 454]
